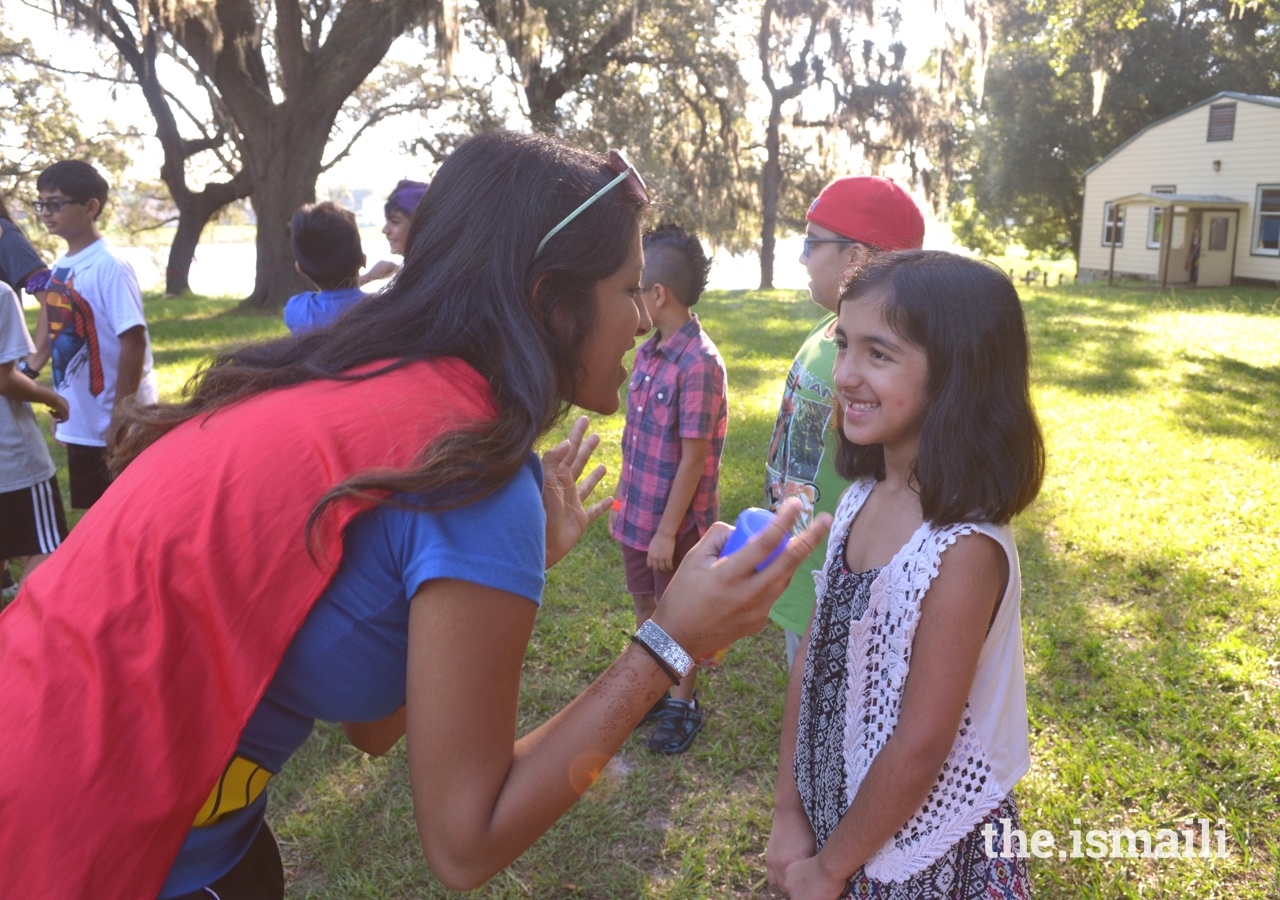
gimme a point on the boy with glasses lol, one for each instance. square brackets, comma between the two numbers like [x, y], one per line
[851, 220]
[97, 329]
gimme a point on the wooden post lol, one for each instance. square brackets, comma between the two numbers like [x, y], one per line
[1111, 266]
[1166, 230]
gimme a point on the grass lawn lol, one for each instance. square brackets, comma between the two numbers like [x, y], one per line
[1150, 616]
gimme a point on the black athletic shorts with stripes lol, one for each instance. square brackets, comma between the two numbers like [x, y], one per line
[32, 522]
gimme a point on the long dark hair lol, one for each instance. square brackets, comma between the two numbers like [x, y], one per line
[981, 454]
[470, 288]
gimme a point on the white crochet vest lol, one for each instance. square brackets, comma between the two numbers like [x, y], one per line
[991, 751]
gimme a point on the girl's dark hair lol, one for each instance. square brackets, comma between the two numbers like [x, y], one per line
[981, 454]
[470, 288]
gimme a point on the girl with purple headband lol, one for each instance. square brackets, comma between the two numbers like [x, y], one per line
[399, 215]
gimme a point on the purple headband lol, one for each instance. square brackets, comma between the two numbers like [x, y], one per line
[406, 195]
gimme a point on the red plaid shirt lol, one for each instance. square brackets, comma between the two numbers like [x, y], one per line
[679, 390]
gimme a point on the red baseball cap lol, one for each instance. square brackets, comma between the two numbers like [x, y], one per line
[870, 209]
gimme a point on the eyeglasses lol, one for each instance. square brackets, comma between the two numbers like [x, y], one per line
[619, 164]
[55, 204]
[809, 243]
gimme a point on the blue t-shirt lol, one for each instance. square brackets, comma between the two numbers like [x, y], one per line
[348, 661]
[313, 309]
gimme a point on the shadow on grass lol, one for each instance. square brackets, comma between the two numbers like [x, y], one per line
[1091, 358]
[1151, 700]
[1088, 338]
[189, 340]
[1136, 301]
[758, 335]
[1226, 397]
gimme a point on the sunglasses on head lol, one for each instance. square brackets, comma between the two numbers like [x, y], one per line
[625, 171]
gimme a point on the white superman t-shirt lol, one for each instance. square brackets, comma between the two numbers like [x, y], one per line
[93, 298]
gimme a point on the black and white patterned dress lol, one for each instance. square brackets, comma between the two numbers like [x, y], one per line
[965, 872]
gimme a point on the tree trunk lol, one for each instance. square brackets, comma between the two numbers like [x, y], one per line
[771, 177]
[770, 183]
[177, 274]
[195, 209]
[291, 153]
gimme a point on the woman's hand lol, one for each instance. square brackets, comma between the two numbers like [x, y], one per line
[713, 602]
[790, 840]
[563, 494]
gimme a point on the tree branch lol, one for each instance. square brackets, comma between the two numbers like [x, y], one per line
[380, 115]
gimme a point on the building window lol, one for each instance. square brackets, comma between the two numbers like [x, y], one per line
[1112, 225]
[1155, 228]
[1218, 228]
[1222, 122]
[1266, 222]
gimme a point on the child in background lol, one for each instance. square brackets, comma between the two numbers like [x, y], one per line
[677, 415]
[905, 726]
[399, 211]
[22, 269]
[851, 221]
[97, 330]
[20, 265]
[32, 523]
[326, 247]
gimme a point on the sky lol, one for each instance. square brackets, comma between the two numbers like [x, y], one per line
[367, 167]
[124, 105]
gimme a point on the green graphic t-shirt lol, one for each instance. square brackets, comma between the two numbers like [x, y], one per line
[801, 461]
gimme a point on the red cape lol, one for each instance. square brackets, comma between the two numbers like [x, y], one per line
[132, 659]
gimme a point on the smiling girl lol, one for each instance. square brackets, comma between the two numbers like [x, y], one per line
[905, 729]
[398, 214]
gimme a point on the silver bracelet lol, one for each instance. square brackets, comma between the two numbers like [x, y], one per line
[670, 655]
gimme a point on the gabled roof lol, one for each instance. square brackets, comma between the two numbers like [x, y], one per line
[1262, 99]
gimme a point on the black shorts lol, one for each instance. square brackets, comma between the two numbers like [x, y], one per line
[32, 522]
[87, 467]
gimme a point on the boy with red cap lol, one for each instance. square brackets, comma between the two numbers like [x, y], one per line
[852, 220]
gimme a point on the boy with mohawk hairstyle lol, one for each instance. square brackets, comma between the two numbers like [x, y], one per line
[326, 247]
[677, 416]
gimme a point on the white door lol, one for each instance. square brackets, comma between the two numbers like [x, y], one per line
[1218, 247]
